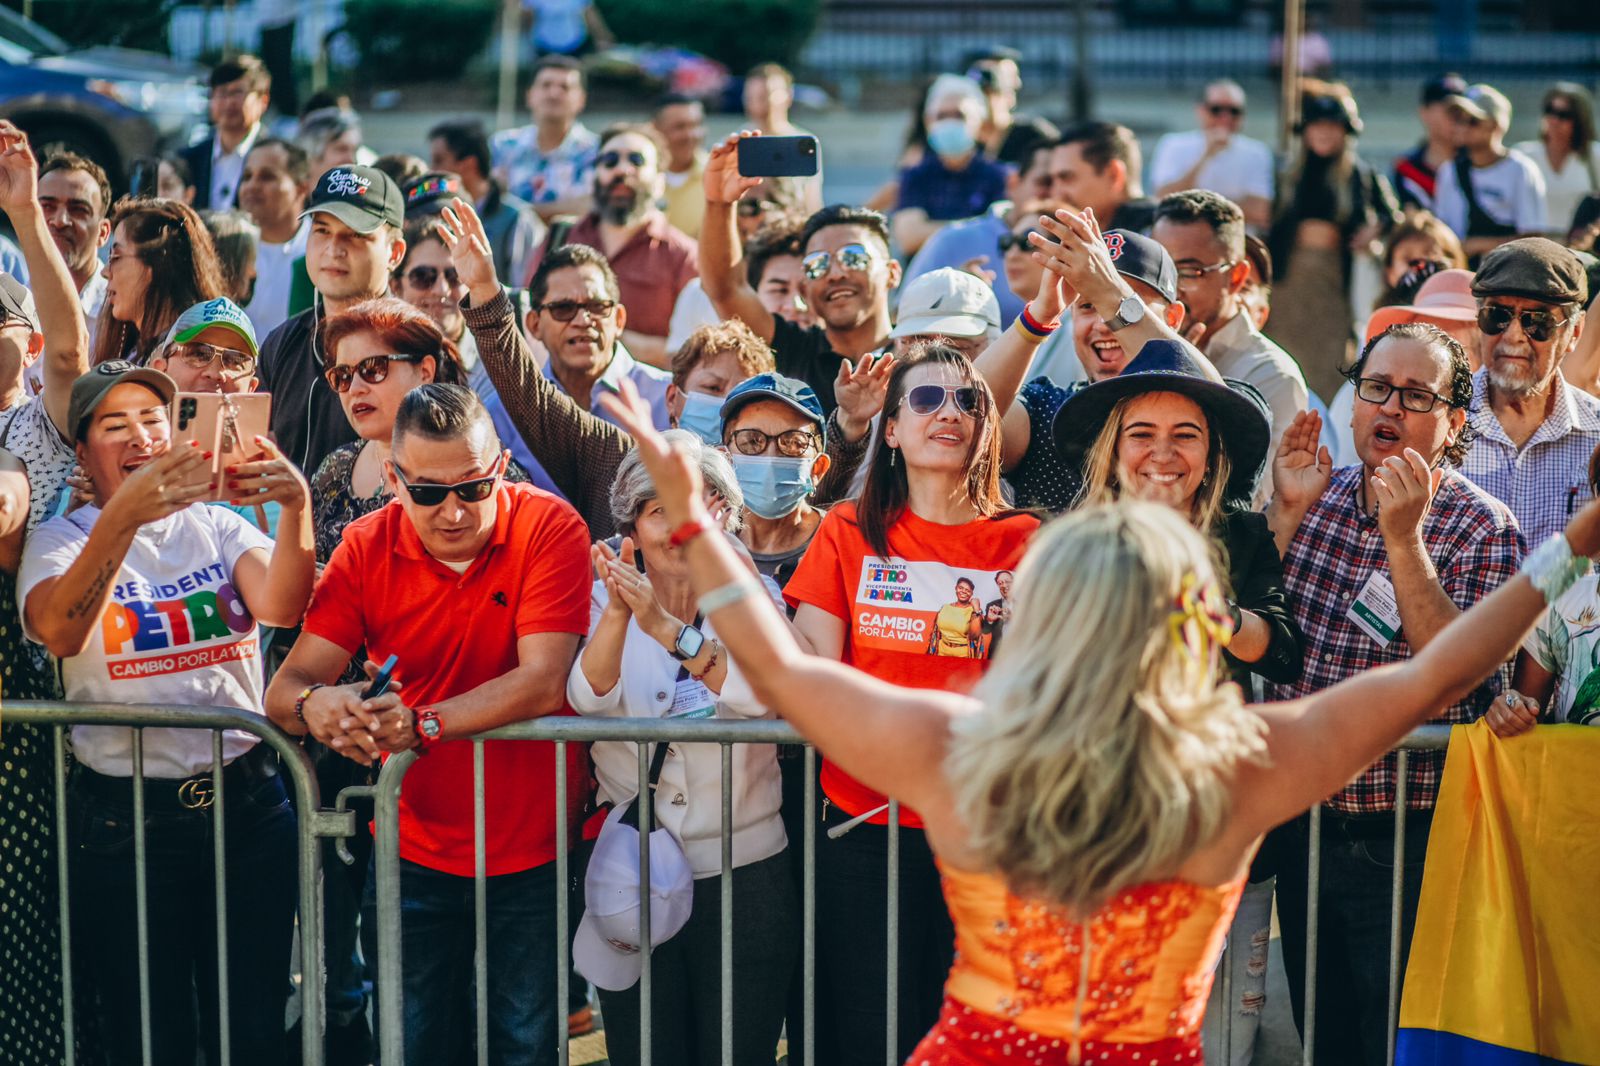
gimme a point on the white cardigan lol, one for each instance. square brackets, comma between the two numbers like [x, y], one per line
[688, 799]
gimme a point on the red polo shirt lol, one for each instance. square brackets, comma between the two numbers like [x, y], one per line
[454, 632]
[652, 268]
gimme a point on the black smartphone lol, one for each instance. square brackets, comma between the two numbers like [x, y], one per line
[143, 178]
[778, 157]
[380, 684]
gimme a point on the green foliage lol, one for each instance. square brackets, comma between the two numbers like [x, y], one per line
[736, 33]
[129, 23]
[418, 40]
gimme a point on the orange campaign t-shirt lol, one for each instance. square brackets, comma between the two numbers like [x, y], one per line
[914, 618]
[454, 632]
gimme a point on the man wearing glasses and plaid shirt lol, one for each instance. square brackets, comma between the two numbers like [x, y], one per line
[1378, 558]
[1535, 432]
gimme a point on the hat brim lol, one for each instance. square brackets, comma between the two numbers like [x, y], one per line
[351, 215]
[232, 327]
[1467, 104]
[1443, 317]
[1235, 412]
[963, 326]
[603, 963]
[154, 380]
[734, 404]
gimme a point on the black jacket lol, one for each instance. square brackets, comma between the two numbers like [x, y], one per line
[198, 156]
[1255, 573]
[307, 420]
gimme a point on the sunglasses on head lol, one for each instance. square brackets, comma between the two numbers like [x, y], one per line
[1552, 111]
[1495, 319]
[199, 356]
[426, 277]
[567, 310]
[927, 399]
[612, 158]
[1221, 110]
[474, 491]
[373, 369]
[851, 257]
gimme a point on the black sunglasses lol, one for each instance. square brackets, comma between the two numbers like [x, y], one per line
[1219, 110]
[1495, 319]
[373, 369]
[426, 277]
[612, 158]
[1020, 241]
[1551, 111]
[567, 310]
[927, 399]
[475, 491]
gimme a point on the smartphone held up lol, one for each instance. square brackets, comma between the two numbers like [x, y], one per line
[778, 157]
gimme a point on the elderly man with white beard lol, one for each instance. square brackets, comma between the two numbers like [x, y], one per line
[1535, 432]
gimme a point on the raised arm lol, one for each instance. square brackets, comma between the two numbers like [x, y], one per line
[277, 588]
[66, 335]
[1005, 363]
[722, 273]
[887, 738]
[579, 451]
[1301, 470]
[1317, 744]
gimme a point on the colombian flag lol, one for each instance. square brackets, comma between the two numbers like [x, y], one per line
[1505, 963]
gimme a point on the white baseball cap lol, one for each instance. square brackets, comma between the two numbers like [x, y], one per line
[606, 949]
[947, 302]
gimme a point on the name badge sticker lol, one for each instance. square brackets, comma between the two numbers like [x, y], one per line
[691, 699]
[1376, 611]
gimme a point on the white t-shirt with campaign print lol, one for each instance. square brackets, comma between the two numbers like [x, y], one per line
[175, 632]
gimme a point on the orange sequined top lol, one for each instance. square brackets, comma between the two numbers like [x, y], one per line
[1138, 972]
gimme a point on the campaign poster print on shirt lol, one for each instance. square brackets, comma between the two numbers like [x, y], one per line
[929, 608]
[188, 624]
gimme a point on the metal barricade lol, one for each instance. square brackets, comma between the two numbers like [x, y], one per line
[643, 732]
[312, 824]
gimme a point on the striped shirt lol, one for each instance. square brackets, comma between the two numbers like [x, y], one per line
[1475, 546]
[1546, 480]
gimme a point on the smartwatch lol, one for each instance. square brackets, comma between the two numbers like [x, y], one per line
[689, 644]
[428, 727]
[1129, 312]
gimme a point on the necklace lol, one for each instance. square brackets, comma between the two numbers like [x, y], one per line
[377, 493]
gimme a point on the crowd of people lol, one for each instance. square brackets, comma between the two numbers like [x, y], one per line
[1107, 533]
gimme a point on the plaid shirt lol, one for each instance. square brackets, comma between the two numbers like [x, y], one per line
[1475, 546]
[1546, 481]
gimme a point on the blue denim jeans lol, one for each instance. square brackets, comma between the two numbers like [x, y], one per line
[261, 884]
[436, 926]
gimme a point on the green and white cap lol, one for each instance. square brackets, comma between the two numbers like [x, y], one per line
[221, 312]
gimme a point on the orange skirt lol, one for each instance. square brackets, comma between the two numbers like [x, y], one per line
[965, 1037]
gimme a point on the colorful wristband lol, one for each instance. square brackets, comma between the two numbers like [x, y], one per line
[300, 704]
[1553, 568]
[690, 530]
[1034, 326]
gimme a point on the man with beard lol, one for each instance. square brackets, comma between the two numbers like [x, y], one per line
[847, 275]
[273, 192]
[1536, 432]
[76, 197]
[652, 260]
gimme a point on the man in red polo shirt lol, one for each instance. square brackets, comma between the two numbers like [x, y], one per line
[652, 260]
[481, 588]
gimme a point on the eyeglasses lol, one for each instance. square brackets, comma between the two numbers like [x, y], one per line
[567, 310]
[793, 443]
[1378, 392]
[1495, 319]
[611, 159]
[851, 257]
[1193, 273]
[1551, 111]
[1219, 110]
[475, 491]
[198, 356]
[426, 277]
[927, 399]
[373, 369]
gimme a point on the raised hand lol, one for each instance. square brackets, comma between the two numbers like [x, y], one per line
[464, 237]
[1302, 467]
[1081, 259]
[1403, 486]
[601, 556]
[722, 182]
[19, 170]
[269, 478]
[861, 389]
[676, 478]
[163, 486]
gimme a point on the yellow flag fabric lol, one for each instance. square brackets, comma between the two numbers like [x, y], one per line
[1506, 957]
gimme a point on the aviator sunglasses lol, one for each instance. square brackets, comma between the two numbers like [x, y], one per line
[927, 399]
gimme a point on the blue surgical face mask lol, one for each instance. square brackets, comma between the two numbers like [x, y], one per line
[950, 138]
[702, 416]
[773, 485]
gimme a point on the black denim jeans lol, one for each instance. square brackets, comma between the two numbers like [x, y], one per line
[1358, 860]
[260, 882]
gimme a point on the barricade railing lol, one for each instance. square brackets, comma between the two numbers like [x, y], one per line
[644, 732]
[312, 824]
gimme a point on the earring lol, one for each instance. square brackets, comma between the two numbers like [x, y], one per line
[893, 451]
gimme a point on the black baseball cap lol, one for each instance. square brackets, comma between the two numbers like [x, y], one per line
[91, 388]
[1142, 259]
[363, 198]
[1442, 88]
[786, 390]
[429, 193]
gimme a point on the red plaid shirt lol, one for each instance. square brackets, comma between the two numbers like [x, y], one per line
[1475, 546]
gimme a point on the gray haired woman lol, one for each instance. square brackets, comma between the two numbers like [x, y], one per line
[650, 655]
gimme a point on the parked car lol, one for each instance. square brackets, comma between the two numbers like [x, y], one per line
[114, 105]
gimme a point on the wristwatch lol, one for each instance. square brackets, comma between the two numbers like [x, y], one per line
[1129, 312]
[428, 727]
[689, 643]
